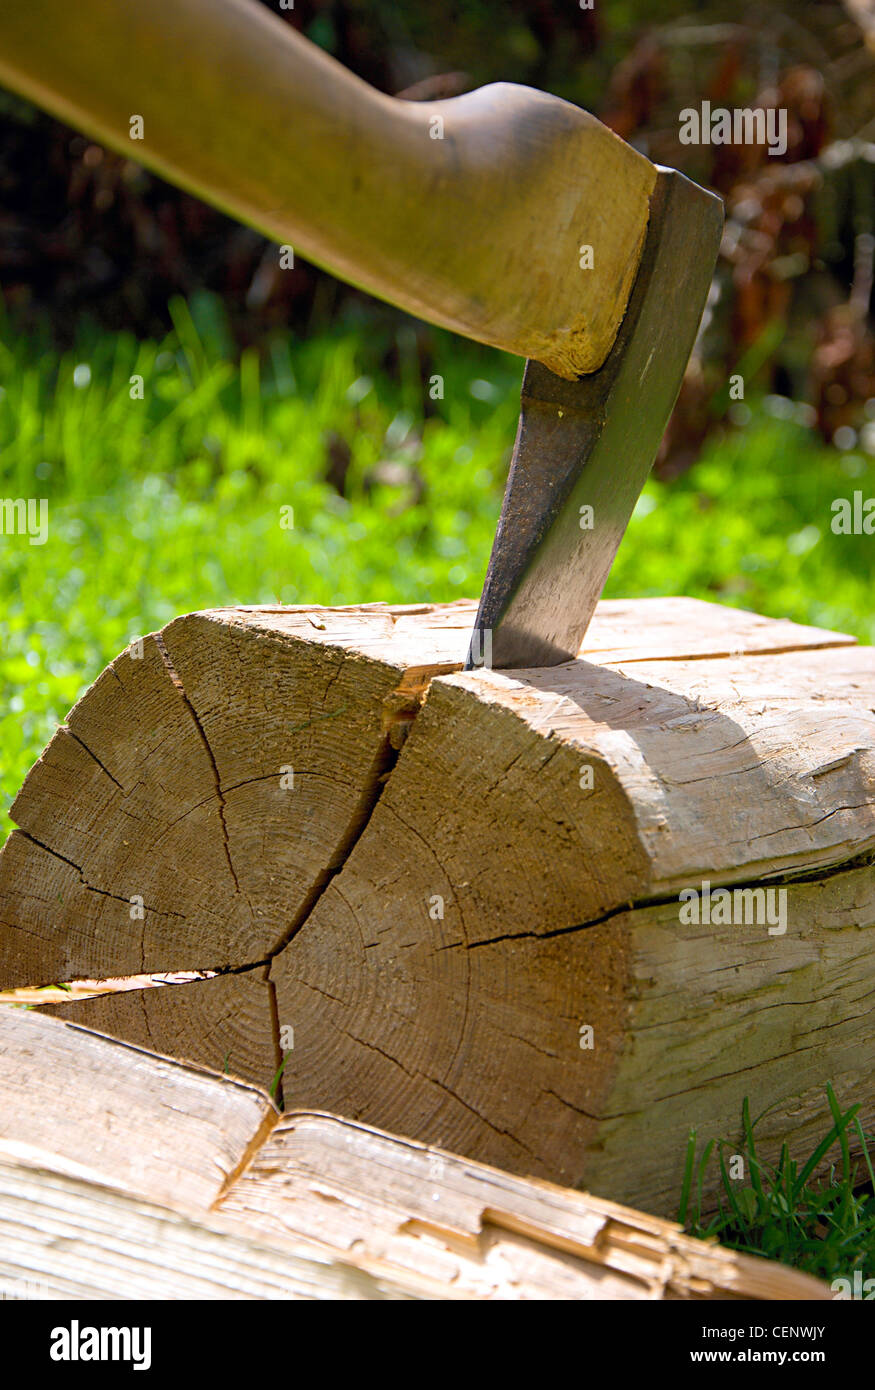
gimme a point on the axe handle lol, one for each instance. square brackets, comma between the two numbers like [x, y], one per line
[479, 231]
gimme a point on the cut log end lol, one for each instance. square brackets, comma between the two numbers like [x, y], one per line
[447, 904]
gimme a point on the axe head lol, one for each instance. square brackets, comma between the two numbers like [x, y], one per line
[590, 443]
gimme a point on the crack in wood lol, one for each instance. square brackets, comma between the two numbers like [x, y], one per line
[92, 888]
[465, 799]
[374, 786]
[93, 755]
[220, 797]
[799, 877]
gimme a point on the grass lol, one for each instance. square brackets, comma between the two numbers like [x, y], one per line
[825, 1226]
[173, 502]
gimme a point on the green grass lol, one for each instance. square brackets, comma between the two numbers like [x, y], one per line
[825, 1226]
[171, 503]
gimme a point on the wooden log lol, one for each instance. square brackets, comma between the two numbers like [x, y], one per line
[460, 920]
[67, 1095]
[227, 1023]
[123, 1175]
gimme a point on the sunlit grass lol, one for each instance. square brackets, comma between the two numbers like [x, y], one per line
[173, 502]
[824, 1224]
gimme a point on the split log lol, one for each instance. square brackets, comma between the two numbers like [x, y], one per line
[451, 901]
[103, 1196]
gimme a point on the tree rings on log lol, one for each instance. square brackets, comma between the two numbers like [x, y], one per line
[450, 904]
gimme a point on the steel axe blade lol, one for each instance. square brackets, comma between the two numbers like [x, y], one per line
[590, 443]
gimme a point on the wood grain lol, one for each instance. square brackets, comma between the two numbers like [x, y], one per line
[444, 905]
[111, 1113]
[480, 230]
[311, 1206]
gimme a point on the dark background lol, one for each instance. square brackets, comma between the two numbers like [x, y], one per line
[86, 233]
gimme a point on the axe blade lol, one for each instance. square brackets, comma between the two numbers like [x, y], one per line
[591, 443]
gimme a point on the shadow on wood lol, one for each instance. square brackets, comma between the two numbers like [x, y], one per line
[450, 903]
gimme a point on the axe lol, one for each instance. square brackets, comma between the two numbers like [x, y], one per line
[506, 214]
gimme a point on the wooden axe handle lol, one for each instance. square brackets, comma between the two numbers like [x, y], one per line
[480, 231]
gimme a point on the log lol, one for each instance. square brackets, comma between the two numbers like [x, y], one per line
[229, 1199]
[450, 902]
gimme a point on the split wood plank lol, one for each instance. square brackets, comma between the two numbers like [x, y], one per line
[481, 905]
[67, 1096]
[421, 1208]
[306, 1206]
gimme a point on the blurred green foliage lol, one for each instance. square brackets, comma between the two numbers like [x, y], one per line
[172, 503]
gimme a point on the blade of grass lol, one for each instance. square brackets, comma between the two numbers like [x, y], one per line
[689, 1165]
